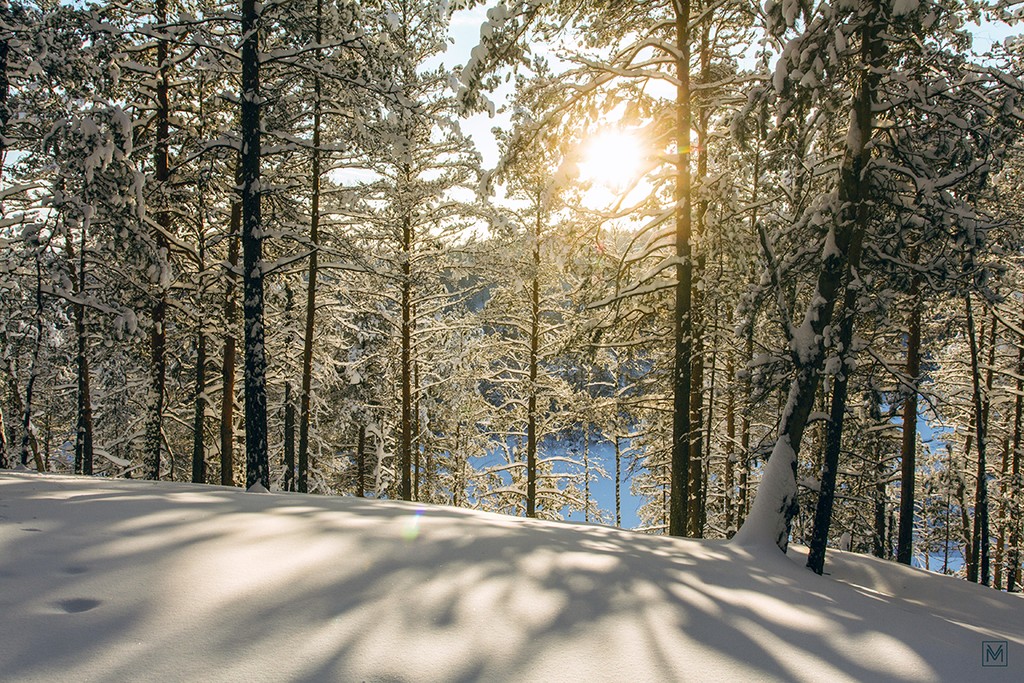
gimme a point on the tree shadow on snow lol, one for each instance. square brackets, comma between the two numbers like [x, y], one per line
[133, 580]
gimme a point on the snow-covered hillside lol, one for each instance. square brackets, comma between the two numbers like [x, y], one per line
[113, 580]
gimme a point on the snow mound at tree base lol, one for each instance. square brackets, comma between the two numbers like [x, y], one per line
[108, 580]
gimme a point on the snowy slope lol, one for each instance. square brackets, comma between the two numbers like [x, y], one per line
[112, 580]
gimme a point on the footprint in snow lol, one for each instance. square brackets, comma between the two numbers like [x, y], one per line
[76, 605]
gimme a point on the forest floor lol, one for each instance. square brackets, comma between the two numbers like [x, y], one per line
[117, 580]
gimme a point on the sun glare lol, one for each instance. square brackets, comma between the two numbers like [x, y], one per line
[611, 159]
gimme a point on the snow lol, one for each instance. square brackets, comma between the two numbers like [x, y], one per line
[132, 580]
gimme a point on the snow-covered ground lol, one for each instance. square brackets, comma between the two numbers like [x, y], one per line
[113, 580]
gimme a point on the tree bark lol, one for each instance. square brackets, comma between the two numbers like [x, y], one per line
[289, 437]
[730, 447]
[406, 341]
[361, 463]
[257, 468]
[880, 545]
[1013, 568]
[679, 472]
[834, 429]
[158, 335]
[908, 452]
[28, 444]
[531, 408]
[1000, 558]
[227, 368]
[979, 534]
[618, 481]
[83, 432]
[4, 462]
[314, 255]
[198, 448]
[19, 410]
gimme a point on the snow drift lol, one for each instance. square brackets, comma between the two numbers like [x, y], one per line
[109, 580]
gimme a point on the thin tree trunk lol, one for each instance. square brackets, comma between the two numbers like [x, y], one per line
[697, 505]
[417, 442]
[5, 109]
[744, 483]
[83, 433]
[33, 373]
[19, 410]
[730, 447]
[289, 437]
[257, 467]
[4, 462]
[776, 504]
[361, 462]
[158, 335]
[586, 473]
[198, 448]
[618, 481]
[961, 496]
[908, 452]
[406, 341]
[1000, 559]
[707, 426]
[289, 406]
[531, 409]
[679, 473]
[227, 404]
[1013, 569]
[880, 546]
[979, 534]
[314, 240]
[199, 418]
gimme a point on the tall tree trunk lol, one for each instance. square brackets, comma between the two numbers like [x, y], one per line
[880, 545]
[531, 408]
[908, 452]
[406, 341]
[314, 255]
[682, 323]
[4, 461]
[744, 483]
[697, 504]
[5, 117]
[1000, 558]
[961, 497]
[361, 462]
[289, 437]
[257, 467]
[158, 335]
[837, 415]
[586, 473]
[83, 433]
[730, 447]
[417, 445]
[288, 482]
[198, 448]
[618, 481]
[27, 437]
[1013, 568]
[19, 410]
[979, 533]
[227, 368]
[775, 505]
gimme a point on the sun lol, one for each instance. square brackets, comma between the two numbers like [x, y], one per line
[612, 159]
